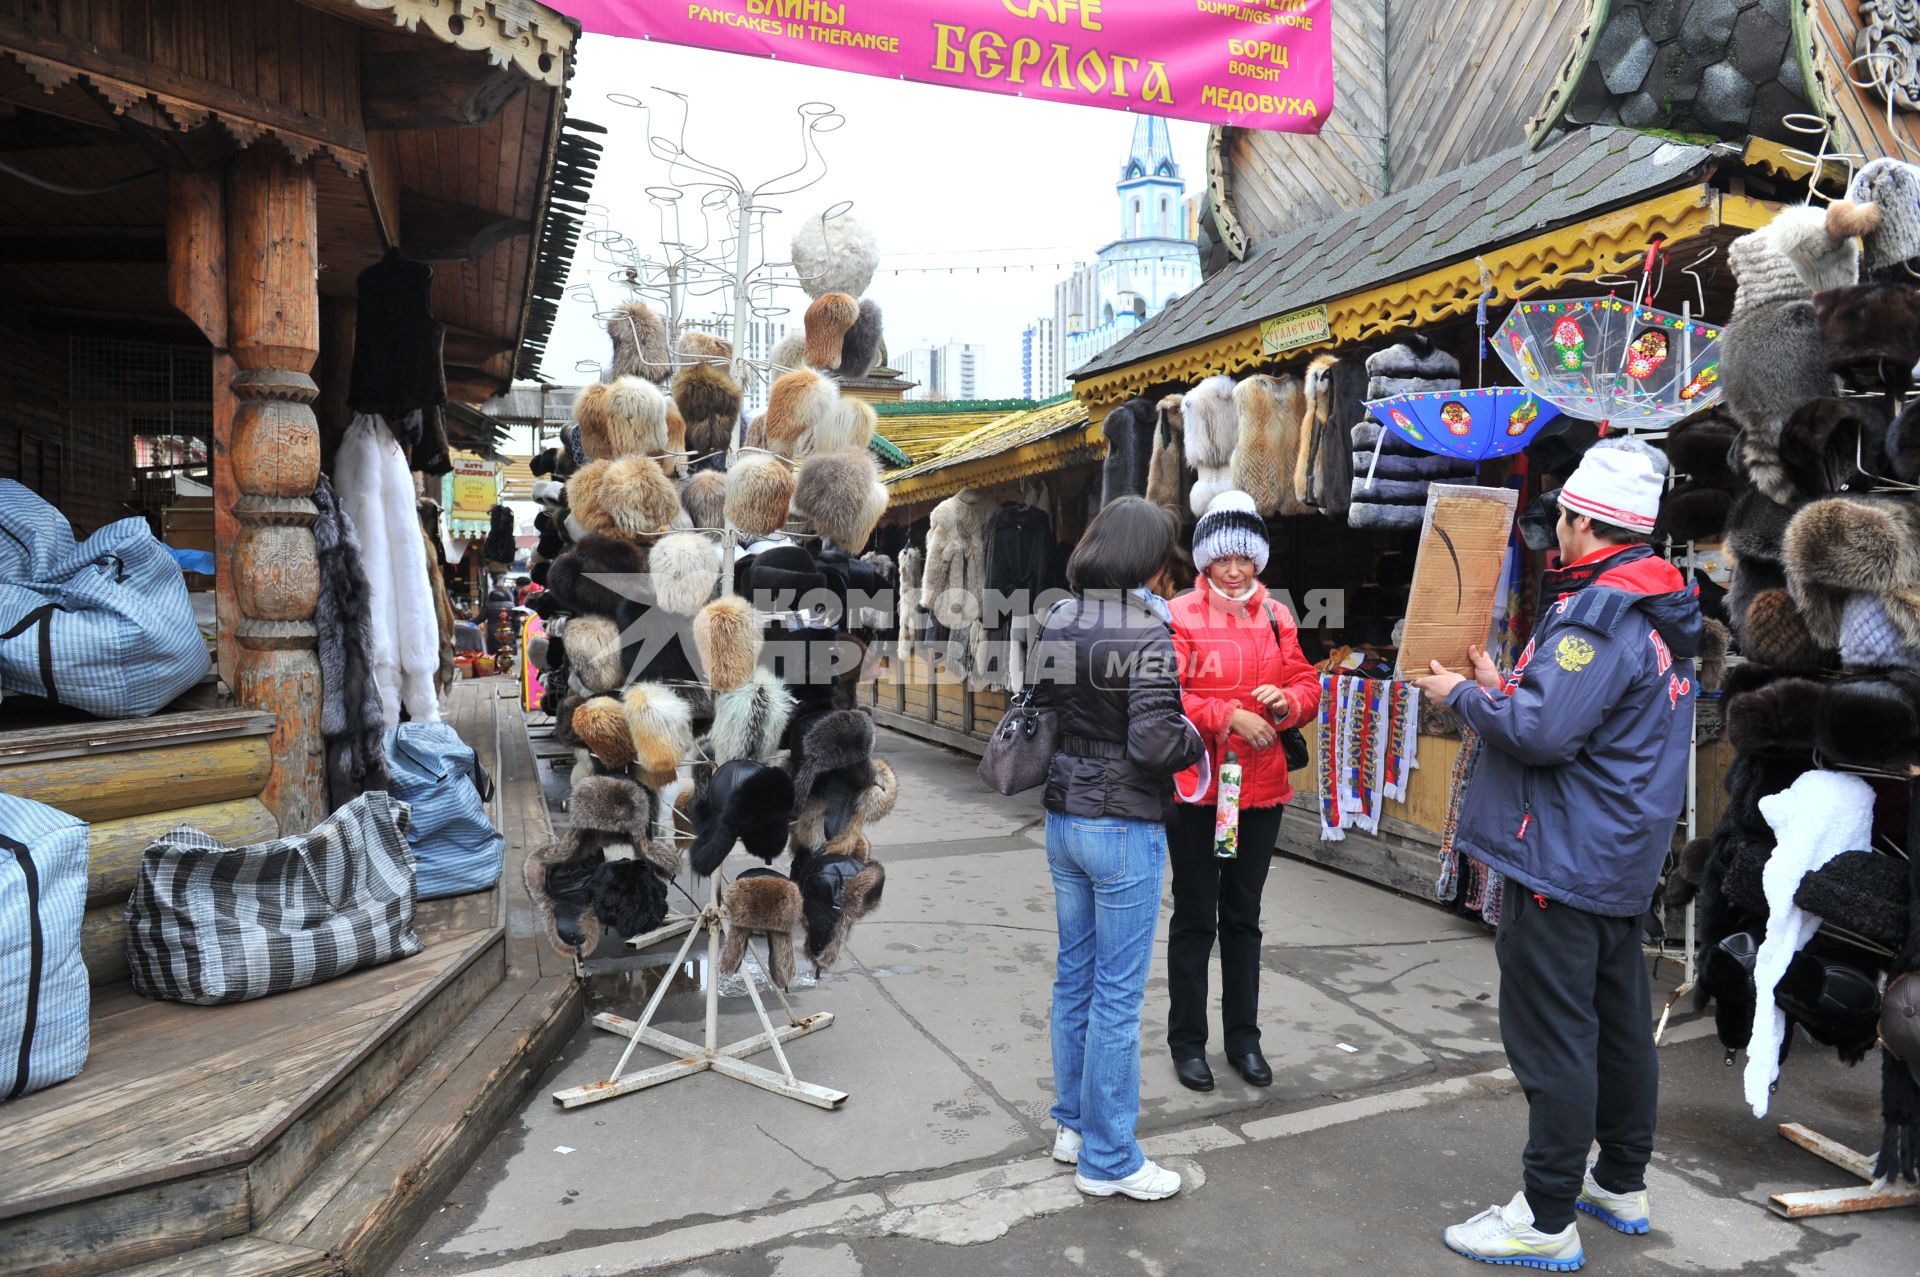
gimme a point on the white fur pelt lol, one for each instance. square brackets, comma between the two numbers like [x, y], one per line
[1210, 427]
[375, 488]
[835, 255]
[912, 612]
[954, 578]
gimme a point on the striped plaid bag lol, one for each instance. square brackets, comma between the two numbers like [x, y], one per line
[44, 996]
[208, 923]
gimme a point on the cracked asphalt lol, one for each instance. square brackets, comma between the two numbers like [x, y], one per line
[1390, 1115]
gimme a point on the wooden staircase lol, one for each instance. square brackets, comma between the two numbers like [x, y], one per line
[306, 1133]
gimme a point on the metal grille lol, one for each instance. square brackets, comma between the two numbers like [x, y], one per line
[159, 396]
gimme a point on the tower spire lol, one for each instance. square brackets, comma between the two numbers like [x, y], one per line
[1151, 154]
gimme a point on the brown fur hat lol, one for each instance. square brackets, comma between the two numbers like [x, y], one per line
[749, 721]
[698, 344]
[1823, 441]
[1269, 411]
[836, 892]
[584, 488]
[1841, 545]
[768, 901]
[706, 392]
[640, 347]
[1780, 717]
[684, 568]
[635, 498]
[860, 348]
[727, 635]
[563, 906]
[848, 428]
[1872, 333]
[606, 815]
[563, 720]
[797, 404]
[660, 724]
[1774, 632]
[593, 653]
[602, 730]
[759, 494]
[674, 459]
[621, 418]
[824, 827]
[704, 498]
[1702, 448]
[828, 319]
[842, 494]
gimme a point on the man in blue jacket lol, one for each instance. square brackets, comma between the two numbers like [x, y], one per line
[1581, 776]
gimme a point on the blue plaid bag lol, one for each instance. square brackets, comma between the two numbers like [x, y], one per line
[456, 849]
[44, 998]
[103, 626]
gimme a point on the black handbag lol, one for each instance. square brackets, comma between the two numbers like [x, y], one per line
[1292, 739]
[1022, 747]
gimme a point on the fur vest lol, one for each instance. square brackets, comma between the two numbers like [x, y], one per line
[397, 343]
[1129, 431]
[955, 575]
[912, 609]
[350, 721]
[376, 492]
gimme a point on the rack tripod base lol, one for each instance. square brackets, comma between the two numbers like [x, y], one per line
[1873, 1195]
[691, 1058]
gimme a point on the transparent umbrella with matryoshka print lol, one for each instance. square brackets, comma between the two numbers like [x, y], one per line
[1612, 361]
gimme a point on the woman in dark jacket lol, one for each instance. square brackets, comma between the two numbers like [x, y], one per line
[1105, 663]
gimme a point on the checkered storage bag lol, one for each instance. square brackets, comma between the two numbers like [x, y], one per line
[44, 996]
[456, 849]
[208, 923]
[104, 626]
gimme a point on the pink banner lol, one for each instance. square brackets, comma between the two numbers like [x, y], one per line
[1260, 64]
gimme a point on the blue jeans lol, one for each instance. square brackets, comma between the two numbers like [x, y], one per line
[1106, 892]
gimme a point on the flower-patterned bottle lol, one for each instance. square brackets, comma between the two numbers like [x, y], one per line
[1226, 819]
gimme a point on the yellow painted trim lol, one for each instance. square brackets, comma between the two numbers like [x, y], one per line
[1600, 245]
[1040, 457]
[1789, 162]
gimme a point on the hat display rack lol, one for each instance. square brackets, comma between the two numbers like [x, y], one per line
[1823, 710]
[697, 566]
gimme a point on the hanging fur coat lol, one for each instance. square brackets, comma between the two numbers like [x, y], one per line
[1269, 410]
[955, 575]
[500, 548]
[1331, 458]
[350, 721]
[1129, 433]
[1211, 427]
[913, 612]
[376, 491]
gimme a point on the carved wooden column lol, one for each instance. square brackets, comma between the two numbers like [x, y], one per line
[273, 331]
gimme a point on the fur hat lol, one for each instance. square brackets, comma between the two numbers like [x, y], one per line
[708, 440]
[640, 347]
[697, 343]
[789, 354]
[1872, 722]
[840, 810]
[1269, 411]
[1128, 429]
[704, 498]
[727, 635]
[759, 494]
[1791, 257]
[1781, 717]
[684, 567]
[661, 726]
[1872, 334]
[779, 578]
[798, 403]
[1870, 640]
[1842, 544]
[841, 494]
[1230, 526]
[1773, 631]
[750, 720]
[860, 348]
[1165, 474]
[835, 254]
[607, 816]
[598, 574]
[836, 892]
[1414, 358]
[848, 428]
[1757, 528]
[629, 497]
[1211, 423]
[709, 398]
[593, 653]
[1772, 361]
[1693, 512]
[1824, 442]
[763, 900]
[744, 802]
[561, 891]
[629, 896]
[602, 730]
[827, 322]
[1701, 448]
[1892, 234]
[829, 742]
[623, 417]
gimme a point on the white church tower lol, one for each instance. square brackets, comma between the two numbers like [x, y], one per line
[1136, 276]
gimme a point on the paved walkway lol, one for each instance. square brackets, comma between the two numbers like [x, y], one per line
[1391, 1113]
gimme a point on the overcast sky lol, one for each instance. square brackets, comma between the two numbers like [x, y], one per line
[960, 181]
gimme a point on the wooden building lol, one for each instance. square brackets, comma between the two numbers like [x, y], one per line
[189, 190]
[1505, 151]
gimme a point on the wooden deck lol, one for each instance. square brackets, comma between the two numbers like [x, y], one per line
[302, 1133]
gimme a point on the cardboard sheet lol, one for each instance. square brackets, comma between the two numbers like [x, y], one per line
[1456, 576]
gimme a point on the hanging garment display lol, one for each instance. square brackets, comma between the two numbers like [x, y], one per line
[1369, 742]
[1270, 412]
[954, 577]
[397, 343]
[1129, 432]
[351, 721]
[376, 491]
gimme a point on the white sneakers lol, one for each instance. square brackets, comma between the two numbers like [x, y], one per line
[1148, 1184]
[1506, 1235]
[1622, 1212]
[1066, 1146]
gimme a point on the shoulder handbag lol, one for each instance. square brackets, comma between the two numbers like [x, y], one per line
[1292, 739]
[1020, 751]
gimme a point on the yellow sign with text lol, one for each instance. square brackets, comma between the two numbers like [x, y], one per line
[1291, 331]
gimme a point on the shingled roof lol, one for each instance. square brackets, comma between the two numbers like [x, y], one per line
[1507, 196]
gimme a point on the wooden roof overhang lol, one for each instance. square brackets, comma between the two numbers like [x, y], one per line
[432, 126]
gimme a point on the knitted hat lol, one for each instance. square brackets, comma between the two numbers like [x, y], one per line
[1231, 525]
[1869, 638]
[1893, 187]
[1620, 486]
[1791, 257]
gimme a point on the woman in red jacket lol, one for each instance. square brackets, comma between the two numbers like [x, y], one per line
[1243, 679]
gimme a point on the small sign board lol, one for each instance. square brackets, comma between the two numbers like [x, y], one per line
[1291, 331]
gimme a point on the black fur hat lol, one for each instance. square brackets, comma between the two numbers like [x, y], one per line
[1872, 334]
[1726, 975]
[1872, 722]
[779, 578]
[1693, 511]
[576, 577]
[1701, 448]
[838, 741]
[1864, 890]
[1826, 443]
[1903, 444]
[744, 802]
[629, 896]
[836, 892]
[1836, 1002]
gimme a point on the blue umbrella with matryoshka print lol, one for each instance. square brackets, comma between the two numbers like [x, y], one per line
[1477, 425]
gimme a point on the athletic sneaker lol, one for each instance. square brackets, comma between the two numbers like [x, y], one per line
[1622, 1212]
[1506, 1235]
[1148, 1184]
[1066, 1146]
